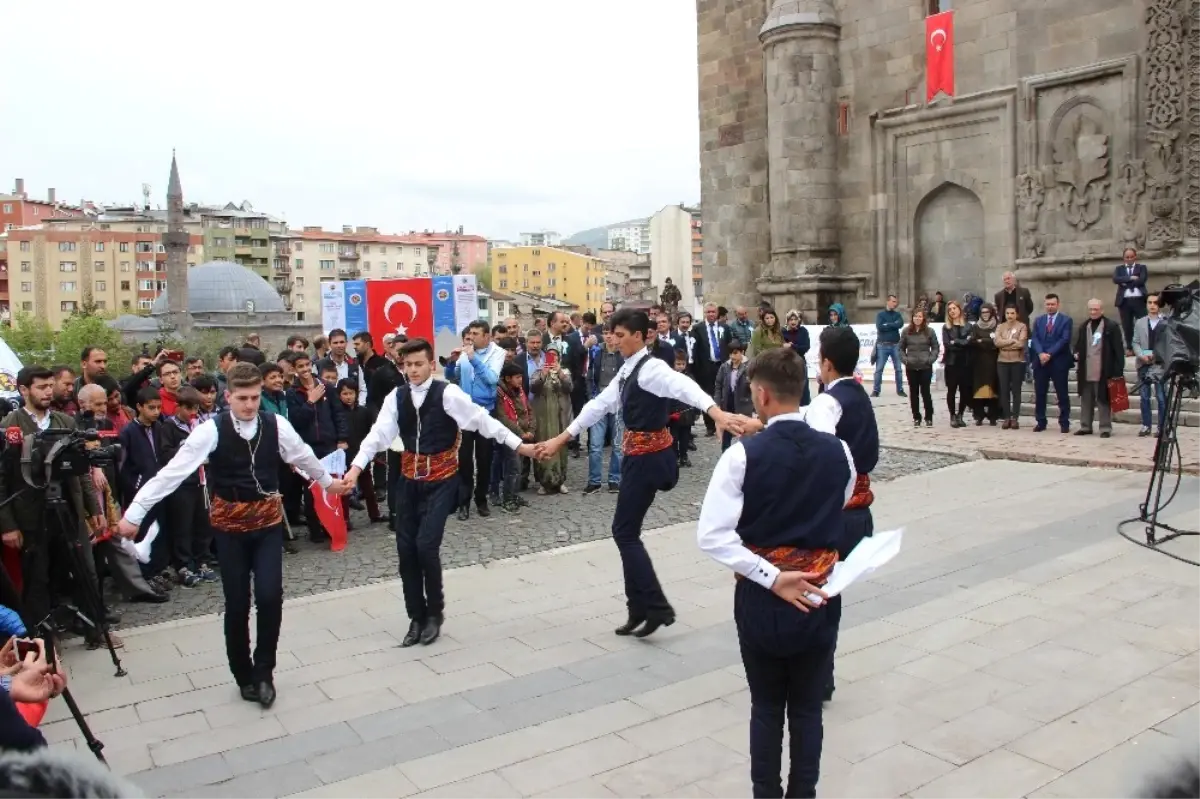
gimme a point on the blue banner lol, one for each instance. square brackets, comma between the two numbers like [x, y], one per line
[356, 307]
[445, 330]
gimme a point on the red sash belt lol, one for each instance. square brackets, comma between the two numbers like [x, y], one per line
[862, 496]
[245, 517]
[430, 468]
[791, 559]
[646, 442]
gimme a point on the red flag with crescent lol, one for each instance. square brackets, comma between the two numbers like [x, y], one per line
[939, 55]
[401, 306]
[329, 511]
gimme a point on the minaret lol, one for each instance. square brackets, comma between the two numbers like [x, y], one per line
[800, 61]
[175, 241]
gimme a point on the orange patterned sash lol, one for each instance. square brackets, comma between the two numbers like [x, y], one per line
[642, 442]
[245, 517]
[791, 559]
[863, 496]
[430, 468]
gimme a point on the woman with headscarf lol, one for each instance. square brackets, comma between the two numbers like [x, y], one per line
[796, 337]
[985, 376]
[551, 389]
[837, 318]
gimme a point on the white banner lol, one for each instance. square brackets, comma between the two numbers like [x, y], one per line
[866, 339]
[333, 306]
[466, 300]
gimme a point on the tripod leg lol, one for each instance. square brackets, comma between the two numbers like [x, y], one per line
[93, 602]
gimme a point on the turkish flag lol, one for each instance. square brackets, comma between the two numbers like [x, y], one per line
[939, 55]
[400, 305]
[329, 511]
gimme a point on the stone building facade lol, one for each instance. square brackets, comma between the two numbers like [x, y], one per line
[825, 177]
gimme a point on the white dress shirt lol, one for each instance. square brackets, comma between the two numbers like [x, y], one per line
[202, 443]
[722, 510]
[343, 371]
[458, 406]
[824, 412]
[656, 377]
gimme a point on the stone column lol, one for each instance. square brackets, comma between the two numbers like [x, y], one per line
[800, 58]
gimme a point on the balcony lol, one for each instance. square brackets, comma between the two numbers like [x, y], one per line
[283, 249]
[244, 249]
[283, 285]
[348, 255]
[349, 272]
[283, 269]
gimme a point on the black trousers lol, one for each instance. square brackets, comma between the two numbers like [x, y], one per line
[291, 485]
[191, 534]
[474, 468]
[785, 653]
[1012, 378]
[958, 388]
[1132, 309]
[642, 476]
[918, 383]
[422, 507]
[245, 557]
[681, 432]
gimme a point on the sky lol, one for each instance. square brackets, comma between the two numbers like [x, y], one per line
[501, 116]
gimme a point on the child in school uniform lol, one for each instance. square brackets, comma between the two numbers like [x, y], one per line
[359, 419]
[682, 416]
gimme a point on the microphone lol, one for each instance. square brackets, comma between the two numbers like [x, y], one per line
[13, 436]
[103, 434]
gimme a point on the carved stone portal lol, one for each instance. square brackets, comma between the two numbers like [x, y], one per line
[1164, 117]
[1031, 192]
[1081, 168]
[1128, 190]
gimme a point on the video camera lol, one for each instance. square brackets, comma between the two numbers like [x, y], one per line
[1177, 346]
[57, 453]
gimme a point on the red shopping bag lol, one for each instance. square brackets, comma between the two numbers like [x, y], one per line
[1118, 395]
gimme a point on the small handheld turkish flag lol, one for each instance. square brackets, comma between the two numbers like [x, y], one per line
[329, 511]
[939, 55]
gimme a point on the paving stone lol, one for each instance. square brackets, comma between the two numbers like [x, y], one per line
[183, 776]
[671, 769]
[893, 772]
[412, 717]
[485, 786]
[290, 749]
[566, 765]
[277, 781]
[580, 789]
[581, 697]
[518, 689]
[689, 692]
[1122, 771]
[386, 783]
[190, 747]
[677, 729]
[857, 740]
[998, 774]
[363, 758]
[972, 736]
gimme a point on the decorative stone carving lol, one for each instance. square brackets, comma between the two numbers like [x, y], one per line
[1165, 72]
[1192, 208]
[1031, 192]
[819, 268]
[1128, 190]
[1081, 170]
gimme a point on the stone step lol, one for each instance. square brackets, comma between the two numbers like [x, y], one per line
[1190, 406]
[1133, 416]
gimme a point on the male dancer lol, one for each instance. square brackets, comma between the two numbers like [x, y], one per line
[642, 393]
[782, 547]
[430, 417]
[243, 446]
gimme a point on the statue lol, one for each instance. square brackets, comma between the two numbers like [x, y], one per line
[670, 298]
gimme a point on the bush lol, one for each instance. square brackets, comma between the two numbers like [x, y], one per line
[35, 342]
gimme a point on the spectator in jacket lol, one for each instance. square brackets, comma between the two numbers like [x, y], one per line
[768, 335]
[1130, 302]
[477, 369]
[226, 358]
[316, 413]
[918, 347]
[1012, 339]
[142, 455]
[170, 378]
[888, 324]
[513, 411]
[741, 327]
[359, 419]
[207, 386]
[682, 416]
[117, 412]
[658, 340]
[732, 390]
[291, 484]
[956, 357]
[604, 362]
[937, 308]
[984, 356]
[369, 361]
[1145, 335]
[1014, 295]
[1099, 357]
[795, 335]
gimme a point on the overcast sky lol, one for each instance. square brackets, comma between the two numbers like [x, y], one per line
[502, 116]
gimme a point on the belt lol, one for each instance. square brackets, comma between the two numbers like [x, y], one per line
[233, 494]
[646, 442]
[863, 496]
[245, 517]
[430, 468]
[794, 559]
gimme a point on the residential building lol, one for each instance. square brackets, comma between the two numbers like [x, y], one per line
[239, 234]
[281, 266]
[633, 236]
[638, 287]
[616, 277]
[527, 306]
[671, 251]
[543, 238]
[456, 251]
[551, 272]
[19, 210]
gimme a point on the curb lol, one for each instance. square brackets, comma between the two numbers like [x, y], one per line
[1067, 460]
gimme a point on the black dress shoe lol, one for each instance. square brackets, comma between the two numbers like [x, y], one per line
[151, 598]
[635, 620]
[653, 623]
[464, 513]
[483, 509]
[249, 692]
[266, 694]
[432, 630]
[413, 635]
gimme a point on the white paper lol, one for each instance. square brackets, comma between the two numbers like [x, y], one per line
[335, 462]
[140, 551]
[871, 553]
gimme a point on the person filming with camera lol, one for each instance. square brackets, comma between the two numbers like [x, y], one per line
[25, 522]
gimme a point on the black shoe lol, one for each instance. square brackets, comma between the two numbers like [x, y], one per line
[901, 394]
[432, 629]
[828, 697]
[591, 489]
[151, 598]
[979, 422]
[356, 504]
[464, 512]
[1106, 435]
[249, 692]
[709, 433]
[510, 506]
[691, 446]
[992, 422]
[1040, 428]
[614, 488]
[686, 462]
[653, 623]
[318, 538]
[266, 694]
[929, 423]
[916, 422]
[483, 509]
[874, 393]
[1083, 432]
[635, 620]
[377, 519]
[413, 635]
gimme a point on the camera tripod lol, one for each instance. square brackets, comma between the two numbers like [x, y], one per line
[93, 743]
[1166, 451]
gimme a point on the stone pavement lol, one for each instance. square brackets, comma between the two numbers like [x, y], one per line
[549, 522]
[1017, 647]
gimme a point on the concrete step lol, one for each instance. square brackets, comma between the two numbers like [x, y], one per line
[1189, 416]
[1190, 406]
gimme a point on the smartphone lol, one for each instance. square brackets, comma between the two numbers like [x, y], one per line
[23, 646]
[175, 355]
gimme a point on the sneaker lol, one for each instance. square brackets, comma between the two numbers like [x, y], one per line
[207, 574]
[592, 488]
[614, 488]
[1145, 431]
[161, 585]
[187, 578]
[874, 393]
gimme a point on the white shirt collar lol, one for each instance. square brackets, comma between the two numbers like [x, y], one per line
[423, 387]
[786, 417]
[42, 423]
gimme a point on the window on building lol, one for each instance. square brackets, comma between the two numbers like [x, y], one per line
[8, 208]
[191, 264]
[123, 246]
[124, 305]
[66, 246]
[299, 245]
[26, 286]
[125, 266]
[67, 266]
[24, 246]
[366, 266]
[938, 6]
[537, 252]
[145, 285]
[97, 266]
[26, 266]
[416, 252]
[300, 282]
[300, 298]
[99, 246]
[383, 249]
[326, 266]
[383, 266]
[66, 286]
[299, 316]
[101, 285]
[366, 249]
[328, 247]
[503, 284]
[101, 305]
[220, 241]
[27, 306]
[145, 304]
[124, 285]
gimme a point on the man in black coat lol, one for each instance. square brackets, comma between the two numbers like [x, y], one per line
[712, 340]
[1099, 357]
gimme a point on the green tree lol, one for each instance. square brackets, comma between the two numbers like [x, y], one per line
[34, 341]
[483, 276]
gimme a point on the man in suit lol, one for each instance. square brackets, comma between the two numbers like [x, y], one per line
[1130, 278]
[1014, 295]
[712, 350]
[1052, 361]
[1099, 357]
[684, 338]
[531, 359]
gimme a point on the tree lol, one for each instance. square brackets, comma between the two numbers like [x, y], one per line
[34, 341]
[483, 276]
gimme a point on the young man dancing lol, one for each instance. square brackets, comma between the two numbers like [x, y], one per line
[642, 394]
[243, 446]
[430, 417]
[782, 546]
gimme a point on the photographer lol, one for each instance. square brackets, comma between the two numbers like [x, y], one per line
[24, 522]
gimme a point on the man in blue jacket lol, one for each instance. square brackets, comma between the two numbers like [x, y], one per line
[477, 371]
[888, 324]
[1052, 361]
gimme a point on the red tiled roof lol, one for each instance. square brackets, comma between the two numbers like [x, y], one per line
[384, 238]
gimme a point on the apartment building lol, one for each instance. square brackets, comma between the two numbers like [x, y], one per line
[542, 238]
[18, 209]
[240, 234]
[551, 272]
[675, 251]
[632, 236]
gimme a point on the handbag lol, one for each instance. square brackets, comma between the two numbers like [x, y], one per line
[1118, 395]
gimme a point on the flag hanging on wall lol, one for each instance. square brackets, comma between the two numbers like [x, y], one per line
[939, 55]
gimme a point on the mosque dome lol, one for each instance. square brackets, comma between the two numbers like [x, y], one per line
[223, 287]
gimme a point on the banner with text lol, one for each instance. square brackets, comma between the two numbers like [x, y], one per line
[445, 323]
[333, 306]
[356, 307]
[466, 300]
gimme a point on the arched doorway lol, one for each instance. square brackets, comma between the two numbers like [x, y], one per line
[950, 243]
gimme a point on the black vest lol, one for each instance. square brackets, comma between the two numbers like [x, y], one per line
[857, 427]
[797, 480]
[232, 469]
[438, 431]
[641, 410]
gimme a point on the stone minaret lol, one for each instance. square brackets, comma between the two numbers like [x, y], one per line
[175, 240]
[800, 61]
